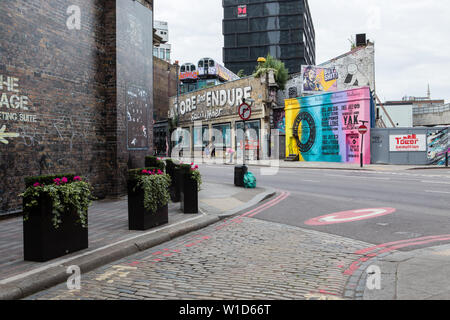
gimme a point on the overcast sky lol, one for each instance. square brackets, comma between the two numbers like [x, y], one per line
[412, 46]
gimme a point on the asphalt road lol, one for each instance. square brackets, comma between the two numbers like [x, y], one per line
[420, 201]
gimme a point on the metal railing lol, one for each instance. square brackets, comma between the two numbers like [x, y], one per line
[434, 109]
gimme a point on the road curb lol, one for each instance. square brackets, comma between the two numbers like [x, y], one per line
[257, 199]
[53, 275]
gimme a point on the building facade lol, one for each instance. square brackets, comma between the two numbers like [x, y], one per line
[163, 50]
[211, 115]
[76, 95]
[253, 29]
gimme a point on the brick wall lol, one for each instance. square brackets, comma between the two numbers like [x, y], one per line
[165, 87]
[63, 94]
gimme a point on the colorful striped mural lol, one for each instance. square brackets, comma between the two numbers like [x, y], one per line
[324, 127]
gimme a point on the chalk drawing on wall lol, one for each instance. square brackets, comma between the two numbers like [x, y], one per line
[137, 118]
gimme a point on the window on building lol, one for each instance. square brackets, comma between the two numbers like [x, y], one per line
[252, 139]
[167, 54]
[222, 135]
[201, 137]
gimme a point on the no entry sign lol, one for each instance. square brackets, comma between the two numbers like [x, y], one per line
[362, 129]
[349, 216]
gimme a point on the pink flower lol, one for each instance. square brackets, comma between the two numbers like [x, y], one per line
[196, 167]
[159, 171]
[37, 184]
[144, 171]
[77, 178]
[64, 180]
[57, 181]
[192, 163]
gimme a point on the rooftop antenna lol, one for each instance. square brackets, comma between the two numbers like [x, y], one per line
[429, 92]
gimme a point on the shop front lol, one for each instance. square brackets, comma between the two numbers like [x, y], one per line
[209, 124]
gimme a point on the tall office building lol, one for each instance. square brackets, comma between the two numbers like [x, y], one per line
[253, 29]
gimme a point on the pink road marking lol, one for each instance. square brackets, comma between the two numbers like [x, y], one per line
[349, 216]
[398, 242]
[269, 203]
[413, 244]
[391, 246]
[237, 220]
[273, 204]
[326, 292]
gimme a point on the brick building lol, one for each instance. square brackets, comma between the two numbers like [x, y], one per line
[165, 75]
[76, 90]
[211, 114]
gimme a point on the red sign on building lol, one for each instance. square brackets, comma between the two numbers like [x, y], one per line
[242, 11]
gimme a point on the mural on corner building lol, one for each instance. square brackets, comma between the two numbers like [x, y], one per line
[349, 71]
[325, 127]
[438, 144]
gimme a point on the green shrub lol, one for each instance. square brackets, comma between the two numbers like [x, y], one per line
[66, 193]
[192, 172]
[47, 179]
[151, 161]
[155, 184]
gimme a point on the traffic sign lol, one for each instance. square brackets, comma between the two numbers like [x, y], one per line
[362, 129]
[245, 111]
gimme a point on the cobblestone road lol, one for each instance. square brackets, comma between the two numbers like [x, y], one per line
[238, 259]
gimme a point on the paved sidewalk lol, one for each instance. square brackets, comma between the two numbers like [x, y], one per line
[110, 239]
[319, 165]
[422, 274]
[350, 166]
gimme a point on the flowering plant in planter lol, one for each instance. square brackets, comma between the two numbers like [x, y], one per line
[155, 184]
[195, 175]
[67, 193]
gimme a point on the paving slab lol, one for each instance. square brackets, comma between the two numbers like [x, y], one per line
[110, 239]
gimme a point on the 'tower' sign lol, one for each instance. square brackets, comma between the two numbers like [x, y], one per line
[410, 142]
[349, 216]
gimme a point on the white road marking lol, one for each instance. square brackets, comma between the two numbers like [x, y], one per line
[435, 182]
[432, 191]
[372, 213]
[358, 177]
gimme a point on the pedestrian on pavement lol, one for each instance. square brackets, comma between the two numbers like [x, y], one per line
[213, 149]
[230, 152]
[180, 144]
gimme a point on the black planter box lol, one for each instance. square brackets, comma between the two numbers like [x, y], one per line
[189, 195]
[175, 185]
[141, 219]
[43, 242]
[239, 173]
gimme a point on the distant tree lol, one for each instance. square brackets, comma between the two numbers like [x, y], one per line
[280, 71]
